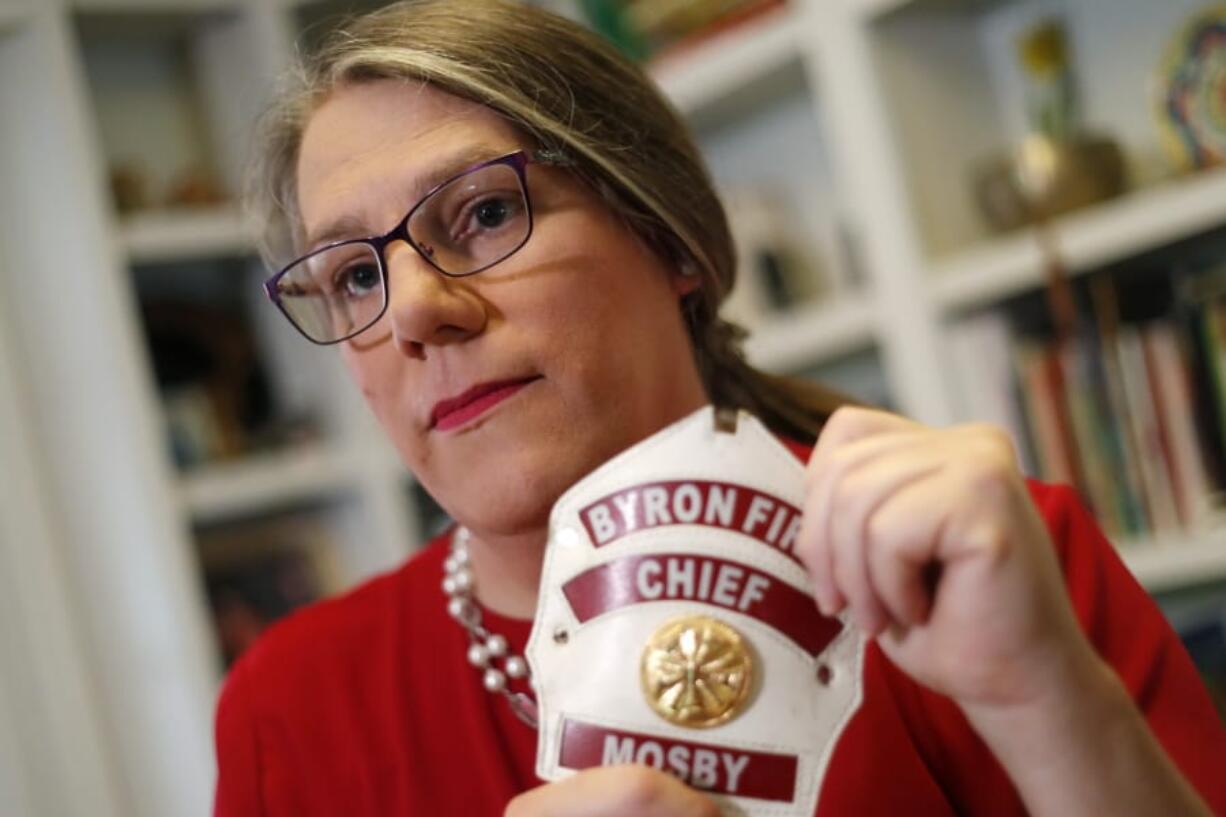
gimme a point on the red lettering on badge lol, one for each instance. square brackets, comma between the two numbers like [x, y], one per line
[720, 769]
[720, 582]
[750, 512]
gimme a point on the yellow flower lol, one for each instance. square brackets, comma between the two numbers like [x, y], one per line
[1044, 49]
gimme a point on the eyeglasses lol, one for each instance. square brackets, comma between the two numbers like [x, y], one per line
[465, 225]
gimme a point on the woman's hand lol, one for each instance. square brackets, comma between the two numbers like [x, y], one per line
[931, 538]
[614, 791]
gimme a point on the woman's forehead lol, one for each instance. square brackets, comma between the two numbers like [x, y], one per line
[373, 141]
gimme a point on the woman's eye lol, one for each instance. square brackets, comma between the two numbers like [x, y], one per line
[483, 215]
[357, 280]
[491, 213]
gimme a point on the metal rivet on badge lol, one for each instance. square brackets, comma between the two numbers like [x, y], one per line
[696, 672]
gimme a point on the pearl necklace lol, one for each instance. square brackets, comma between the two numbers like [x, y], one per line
[485, 649]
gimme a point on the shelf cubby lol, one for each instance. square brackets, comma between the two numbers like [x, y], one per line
[300, 473]
[1098, 236]
[185, 234]
[947, 71]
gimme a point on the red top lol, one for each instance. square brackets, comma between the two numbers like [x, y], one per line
[365, 705]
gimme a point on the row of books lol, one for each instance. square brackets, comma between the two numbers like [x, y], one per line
[1133, 414]
[260, 570]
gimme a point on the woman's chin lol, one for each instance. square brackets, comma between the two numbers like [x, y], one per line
[514, 497]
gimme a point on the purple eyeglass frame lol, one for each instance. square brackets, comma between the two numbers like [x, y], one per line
[518, 161]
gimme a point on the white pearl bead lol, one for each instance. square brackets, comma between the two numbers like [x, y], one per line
[494, 680]
[463, 580]
[516, 667]
[461, 555]
[497, 645]
[457, 608]
[449, 586]
[478, 655]
[450, 564]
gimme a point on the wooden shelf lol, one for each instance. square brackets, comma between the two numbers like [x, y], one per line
[1118, 229]
[184, 235]
[263, 481]
[703, 77]
[1165, 564]
[812, 334]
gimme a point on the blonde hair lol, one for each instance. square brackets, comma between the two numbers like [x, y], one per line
[572, 92]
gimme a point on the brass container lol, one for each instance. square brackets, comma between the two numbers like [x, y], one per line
[1045, 178]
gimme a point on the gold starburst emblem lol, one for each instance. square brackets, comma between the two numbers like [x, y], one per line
[697, 672]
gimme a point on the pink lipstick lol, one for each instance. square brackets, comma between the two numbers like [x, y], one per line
[456, 411]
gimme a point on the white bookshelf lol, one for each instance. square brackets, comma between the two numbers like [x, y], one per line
[812, 334]
[185, 234]
[1089, 239]
[1178, 561]
[256, 482]
[700, 78]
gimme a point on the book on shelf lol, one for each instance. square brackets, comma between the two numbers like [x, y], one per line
[1145, 430]
[1211, 320]
[1045, 413]
[1095, 438]
[1171, 387]
[247, 598]
[1199, 341]
[260, 570]
[983, 344]
[1100, 344]
[1129, 412]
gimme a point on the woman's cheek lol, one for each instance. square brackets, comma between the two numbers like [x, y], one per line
[366, 371]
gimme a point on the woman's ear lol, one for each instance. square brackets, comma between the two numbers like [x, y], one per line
[686, 279]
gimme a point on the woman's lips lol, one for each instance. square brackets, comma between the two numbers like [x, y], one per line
[456, 411]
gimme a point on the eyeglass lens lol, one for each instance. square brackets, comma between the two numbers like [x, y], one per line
[472, 222]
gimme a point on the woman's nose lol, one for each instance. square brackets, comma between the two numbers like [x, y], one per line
[427, 308]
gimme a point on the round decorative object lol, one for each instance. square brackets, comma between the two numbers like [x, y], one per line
[697, 671]
[1192, 98]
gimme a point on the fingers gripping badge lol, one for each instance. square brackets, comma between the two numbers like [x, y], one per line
[692, 640]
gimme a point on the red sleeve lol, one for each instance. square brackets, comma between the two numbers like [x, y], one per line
[1131, 633]
[238, 755]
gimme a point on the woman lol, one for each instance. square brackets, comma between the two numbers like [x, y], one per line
[546, 298]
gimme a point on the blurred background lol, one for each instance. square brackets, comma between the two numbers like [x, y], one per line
[1001, 210]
